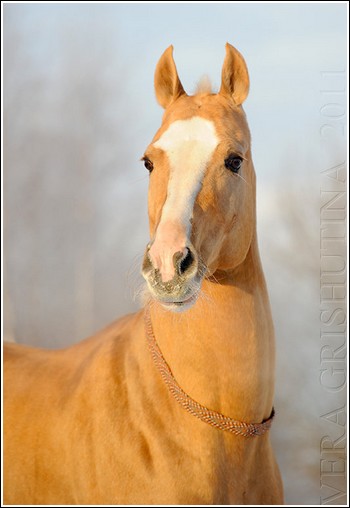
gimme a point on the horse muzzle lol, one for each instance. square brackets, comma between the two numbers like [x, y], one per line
[180, 291]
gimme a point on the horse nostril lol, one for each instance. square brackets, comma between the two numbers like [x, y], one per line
[186, 262]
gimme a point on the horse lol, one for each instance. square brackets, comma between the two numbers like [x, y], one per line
[172, 404]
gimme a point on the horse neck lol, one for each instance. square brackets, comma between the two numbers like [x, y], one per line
[221, 351]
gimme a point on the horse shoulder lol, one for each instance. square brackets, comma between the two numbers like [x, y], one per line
[58, 405]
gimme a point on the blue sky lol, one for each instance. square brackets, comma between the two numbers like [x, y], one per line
[286, 46]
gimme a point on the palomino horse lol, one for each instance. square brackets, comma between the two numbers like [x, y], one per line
[173, 404]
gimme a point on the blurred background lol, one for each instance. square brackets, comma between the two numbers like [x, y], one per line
[78, 111]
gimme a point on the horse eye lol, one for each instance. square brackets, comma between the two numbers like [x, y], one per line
[233, 163]
[148, 164]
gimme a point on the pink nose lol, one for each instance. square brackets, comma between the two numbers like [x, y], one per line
[168, 249]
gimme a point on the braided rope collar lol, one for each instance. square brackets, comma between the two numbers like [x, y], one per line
[209, 416]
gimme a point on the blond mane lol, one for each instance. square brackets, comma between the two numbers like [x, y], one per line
[204, 85]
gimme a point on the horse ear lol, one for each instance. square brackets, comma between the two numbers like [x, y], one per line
[167, 84]
[234, 77]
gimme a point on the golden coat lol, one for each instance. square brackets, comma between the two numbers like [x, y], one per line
[95, 424]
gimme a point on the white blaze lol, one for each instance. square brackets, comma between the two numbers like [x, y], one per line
[189, 145]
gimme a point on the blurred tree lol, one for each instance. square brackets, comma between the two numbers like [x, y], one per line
[66, 209]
